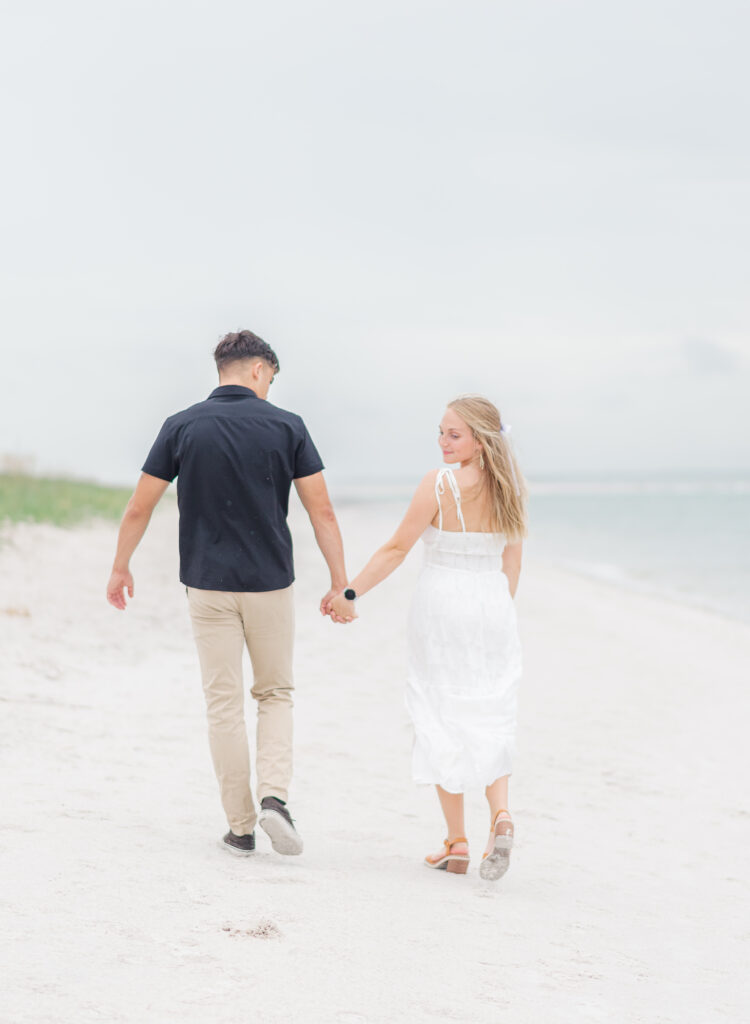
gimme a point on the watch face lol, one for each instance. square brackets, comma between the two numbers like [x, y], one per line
[349, 594]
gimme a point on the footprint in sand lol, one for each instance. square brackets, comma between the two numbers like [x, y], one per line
[264, 929]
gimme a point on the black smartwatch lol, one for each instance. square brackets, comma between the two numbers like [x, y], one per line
[350, 595]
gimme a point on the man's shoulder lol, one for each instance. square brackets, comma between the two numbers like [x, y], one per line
[254, 411]
[189, 413]
[284, 415]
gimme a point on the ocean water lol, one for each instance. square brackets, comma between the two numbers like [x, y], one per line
[687, 540]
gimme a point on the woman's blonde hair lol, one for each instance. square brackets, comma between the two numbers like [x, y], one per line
[508, 490]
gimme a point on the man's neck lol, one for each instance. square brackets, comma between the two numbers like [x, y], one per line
[235, 382]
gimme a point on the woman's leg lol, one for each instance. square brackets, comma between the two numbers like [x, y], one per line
[497, 796]
[497, 853]
[453, 810]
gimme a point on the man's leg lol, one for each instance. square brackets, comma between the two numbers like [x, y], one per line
[219, 637]
[269, 631]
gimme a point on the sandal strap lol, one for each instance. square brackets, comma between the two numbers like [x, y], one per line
[452, 842]
[503, 810]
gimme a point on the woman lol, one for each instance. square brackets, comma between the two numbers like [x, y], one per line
[464, 651]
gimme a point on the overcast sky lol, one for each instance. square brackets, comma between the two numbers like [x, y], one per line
[546, 202]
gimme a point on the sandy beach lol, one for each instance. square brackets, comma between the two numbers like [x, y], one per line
[627, 897]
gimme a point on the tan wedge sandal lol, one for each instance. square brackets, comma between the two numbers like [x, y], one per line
[496, 861]
[456, 863]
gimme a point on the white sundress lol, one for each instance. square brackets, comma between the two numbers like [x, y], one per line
[464, 657]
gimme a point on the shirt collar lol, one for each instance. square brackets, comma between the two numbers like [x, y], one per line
[232, 391]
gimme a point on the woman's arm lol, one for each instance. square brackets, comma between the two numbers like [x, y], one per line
[512, 564]
[419, 515]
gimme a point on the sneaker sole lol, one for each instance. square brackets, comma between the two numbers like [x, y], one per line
[284, 839]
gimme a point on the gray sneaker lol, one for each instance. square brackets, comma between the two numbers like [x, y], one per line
[277, 823]
[241, 845]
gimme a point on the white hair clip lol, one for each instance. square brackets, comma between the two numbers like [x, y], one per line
[505, 434]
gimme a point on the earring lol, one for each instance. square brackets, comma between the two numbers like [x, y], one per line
[481, 459]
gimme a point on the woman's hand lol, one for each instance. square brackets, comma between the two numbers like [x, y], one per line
[342, 610]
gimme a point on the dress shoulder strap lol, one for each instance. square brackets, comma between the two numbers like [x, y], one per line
[446, 473]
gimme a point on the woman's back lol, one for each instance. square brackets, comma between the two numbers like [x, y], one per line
[464, 503]
[463, 549]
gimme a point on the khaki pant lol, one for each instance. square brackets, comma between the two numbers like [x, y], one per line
[223, 622]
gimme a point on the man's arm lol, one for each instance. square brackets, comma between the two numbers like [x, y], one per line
[134, 522]
[313, 494]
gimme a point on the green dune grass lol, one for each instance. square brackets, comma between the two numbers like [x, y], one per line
[39, 500]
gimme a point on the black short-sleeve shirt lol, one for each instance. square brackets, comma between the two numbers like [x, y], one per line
[235, 456]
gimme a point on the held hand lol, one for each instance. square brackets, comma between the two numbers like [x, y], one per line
[119, 581]
[342, 610]
[325, 604]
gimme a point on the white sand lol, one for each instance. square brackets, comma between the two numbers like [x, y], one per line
[627, 894]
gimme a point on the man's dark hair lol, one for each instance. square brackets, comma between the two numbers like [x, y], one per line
[243, 345]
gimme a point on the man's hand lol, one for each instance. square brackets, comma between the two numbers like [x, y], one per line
[119, 581]
[325, 604]
[134, 522]
[342, 610]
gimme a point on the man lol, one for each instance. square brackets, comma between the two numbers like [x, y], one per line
[235, 457]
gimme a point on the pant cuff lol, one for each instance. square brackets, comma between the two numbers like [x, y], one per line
[280, 794]
[244, 830]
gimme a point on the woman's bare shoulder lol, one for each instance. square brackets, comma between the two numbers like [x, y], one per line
[466, 476]
[430, 478]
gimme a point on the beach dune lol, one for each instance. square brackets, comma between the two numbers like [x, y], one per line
[627, 897]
